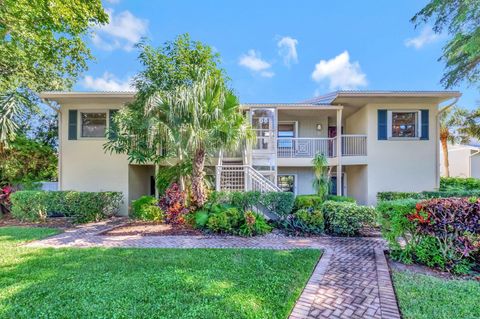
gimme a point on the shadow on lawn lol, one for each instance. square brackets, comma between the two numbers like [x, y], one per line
[153, 283]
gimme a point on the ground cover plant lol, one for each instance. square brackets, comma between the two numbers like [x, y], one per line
[442, 233]
[147, 283]
[425, 297]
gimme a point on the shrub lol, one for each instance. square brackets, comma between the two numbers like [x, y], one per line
[173, 204]
[245, 200]
[253, 225]
[337, 198]
[455, 223]
[81, 206]
[146, 208]
[457, 183]
[280, 203]
[451, 193]
[386, 196]
[201, 218]
[224, 220]
[346, 219]
[307, 201]
[392, 217]
[219, 198]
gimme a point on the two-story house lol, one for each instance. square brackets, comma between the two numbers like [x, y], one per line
[374, 141]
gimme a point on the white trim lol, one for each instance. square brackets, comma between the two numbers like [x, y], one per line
[295, 181]
[79, 124]
[418, 120]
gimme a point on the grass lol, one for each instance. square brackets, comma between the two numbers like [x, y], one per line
[147, 283]
[427, 297]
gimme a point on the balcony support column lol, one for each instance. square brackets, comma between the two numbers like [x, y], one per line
[339, 152]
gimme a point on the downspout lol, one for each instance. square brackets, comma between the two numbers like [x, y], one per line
[59, 123]
[437, 138]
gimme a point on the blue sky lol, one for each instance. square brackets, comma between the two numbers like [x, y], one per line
[280, 51]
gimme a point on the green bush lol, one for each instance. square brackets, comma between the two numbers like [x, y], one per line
[280, 203]
[313, 219]
[253, 224]
[307, 201]
[224, 220]
[83, 207]
[392, 217]
[201, 218]
[245, 200]
[386, 196]
[346, 219]
[146, 208]
[337, 198]
[458, 183]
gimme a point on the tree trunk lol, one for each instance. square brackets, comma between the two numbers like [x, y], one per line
[443, 140]
[198, 189]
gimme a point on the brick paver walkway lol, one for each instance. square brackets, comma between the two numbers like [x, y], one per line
[351, 280]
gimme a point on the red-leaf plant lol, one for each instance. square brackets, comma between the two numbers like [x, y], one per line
[173, 204]
[454, 222]
[5, 203]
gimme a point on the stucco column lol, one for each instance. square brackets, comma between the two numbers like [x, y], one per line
[339, 152]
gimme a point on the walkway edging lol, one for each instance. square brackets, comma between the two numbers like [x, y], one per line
[305, 301]
[388, 300]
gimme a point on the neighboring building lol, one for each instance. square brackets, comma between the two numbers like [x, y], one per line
[464, 161]
[374, 140]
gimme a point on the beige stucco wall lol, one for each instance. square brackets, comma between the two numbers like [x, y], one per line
[304, 177]
[458, 162]
[307, 121]
[139, 181]
[357, 123]
[84, 166]
[475, 162]
[357, 182]
[400, 165]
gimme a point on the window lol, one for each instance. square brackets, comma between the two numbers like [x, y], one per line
[404, 124]
[286, 183]
[94, 124]
[286, 131]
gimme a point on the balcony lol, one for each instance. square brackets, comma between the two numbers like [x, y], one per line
[304, 147]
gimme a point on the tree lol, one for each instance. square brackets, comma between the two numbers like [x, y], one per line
[41, 48]
[457, 125]
[200, 119]
[461, 54]
[182, 107]
[321, 181]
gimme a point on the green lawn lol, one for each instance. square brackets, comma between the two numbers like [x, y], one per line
[427, 297]
[147, 283]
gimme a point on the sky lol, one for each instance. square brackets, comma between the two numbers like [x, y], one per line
[280, 51]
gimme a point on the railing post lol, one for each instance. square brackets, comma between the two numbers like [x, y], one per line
[339, 152]
[218, 175]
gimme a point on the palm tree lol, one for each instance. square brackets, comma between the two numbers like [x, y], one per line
[12, 106]
[321, 181]
[457, 125]
[198, 120]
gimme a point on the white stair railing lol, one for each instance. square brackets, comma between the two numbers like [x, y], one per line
[237, 178]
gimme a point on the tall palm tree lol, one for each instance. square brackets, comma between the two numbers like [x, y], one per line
[198, 120]
[12, 106]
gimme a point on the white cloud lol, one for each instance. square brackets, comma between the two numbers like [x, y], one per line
[287, 48]
[122, 31]
[426, 36]
[253, 61]
[340, 72]
[107, 82]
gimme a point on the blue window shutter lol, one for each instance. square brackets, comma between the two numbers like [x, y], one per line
[424, 124]
[382, 124]
[72, 124]
[112, 134]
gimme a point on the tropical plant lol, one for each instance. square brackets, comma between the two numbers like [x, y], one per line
[173, 203]
[183, 112]
[461, 54]
[41, 48]
[321, 181]
[5, 202]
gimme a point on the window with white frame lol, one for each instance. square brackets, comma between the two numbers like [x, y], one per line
[93, 124]
[286, 183]
[404, 124]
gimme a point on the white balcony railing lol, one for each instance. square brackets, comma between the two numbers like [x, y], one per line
[352, 145]
[305, 147]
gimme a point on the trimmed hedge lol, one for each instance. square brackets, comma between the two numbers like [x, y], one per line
[337, 198]
[388, 196]
[346, 219]
[307, 202]
[458, 183]
[83, 207]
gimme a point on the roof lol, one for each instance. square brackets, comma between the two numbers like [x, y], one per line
[76, 94]
[331, 97]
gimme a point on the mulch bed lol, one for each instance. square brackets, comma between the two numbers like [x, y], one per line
[141, 228]
[53, 222]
